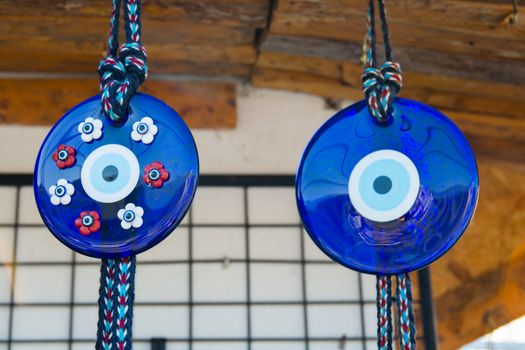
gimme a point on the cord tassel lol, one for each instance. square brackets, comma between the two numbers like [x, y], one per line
[125, 68]
[380, 85]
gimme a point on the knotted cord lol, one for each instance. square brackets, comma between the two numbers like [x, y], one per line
[121, 73]
[125, 68]
[380, 85]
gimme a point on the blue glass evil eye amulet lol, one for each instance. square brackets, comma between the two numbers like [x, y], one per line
[113, 191]
[387, 198]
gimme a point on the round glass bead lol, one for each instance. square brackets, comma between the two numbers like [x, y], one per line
[387, 198]
[92, 179]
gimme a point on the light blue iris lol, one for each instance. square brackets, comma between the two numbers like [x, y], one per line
[399, 178]
[96, 176]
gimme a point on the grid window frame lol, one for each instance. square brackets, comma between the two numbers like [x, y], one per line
[190, 337]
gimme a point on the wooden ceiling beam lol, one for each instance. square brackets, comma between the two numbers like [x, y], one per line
[202, 37]
[469, 17]
[422, 36]
[342, 80]
[476, 285]
[417, 59]
[93, 31]
[493, 137]
[250, 12]
[235, 62]
[43, 101]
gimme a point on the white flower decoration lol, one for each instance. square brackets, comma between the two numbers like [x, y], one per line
[130, 216]
[90, 129]
[61, 192]
[144, 131]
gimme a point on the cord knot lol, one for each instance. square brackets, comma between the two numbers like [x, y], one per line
[380, 86]
[120, 77]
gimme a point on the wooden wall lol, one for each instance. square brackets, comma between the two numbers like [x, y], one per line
[461, 56]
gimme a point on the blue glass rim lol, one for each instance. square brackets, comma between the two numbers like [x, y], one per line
[117, 251]
[305, 214]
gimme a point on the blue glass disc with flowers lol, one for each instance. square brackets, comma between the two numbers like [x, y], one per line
[387, 198]
[111, 191]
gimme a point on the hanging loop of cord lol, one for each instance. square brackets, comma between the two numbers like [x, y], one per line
[380, 84]
[125, 68]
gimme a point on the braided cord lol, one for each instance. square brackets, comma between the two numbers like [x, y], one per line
[106, 305]
[380, 85]
[132, 13]
[114, 29]
[125, 295]
[406, 324]
[123, 70]
[384, 312]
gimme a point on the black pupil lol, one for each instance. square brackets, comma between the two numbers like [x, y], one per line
[110, 173]
[87, 220]
[382, 184]
[62, 155]
[87, 127]
[143, 128]
[60, 190]
[154, 174]
[129, 215]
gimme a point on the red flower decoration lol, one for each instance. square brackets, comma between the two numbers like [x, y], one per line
[155, 174]
[88, 222]
[65, 156]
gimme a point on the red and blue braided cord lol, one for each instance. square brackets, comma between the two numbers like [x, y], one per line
[121, 73]
[124, 305]
[380, 85]
[406, 324]
[116, 296]
[384, 312]
[125, 68]
[106, 305]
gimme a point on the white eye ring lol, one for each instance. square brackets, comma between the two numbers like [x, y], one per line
[383, 215]
[129, 186]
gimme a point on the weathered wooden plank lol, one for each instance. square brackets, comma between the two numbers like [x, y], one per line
[416, 85]
[492, 137]
[405, 34]
[43, 101]
[495, 137]
[328, 68]
[56, 44]
[475, 285]
[418, 60]
[305, 82]
[251, 12]
[93, 31]
[465, 96]
[462, 14]
[63, 36]
[184, 59]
